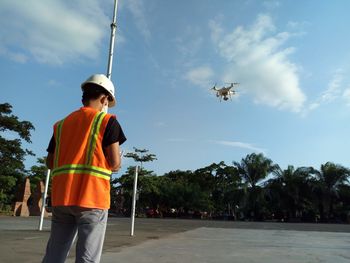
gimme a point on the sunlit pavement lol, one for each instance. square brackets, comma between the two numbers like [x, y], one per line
[241, 246]
[176, 240]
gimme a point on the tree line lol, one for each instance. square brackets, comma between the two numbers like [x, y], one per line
[13, 132]
[253, 189]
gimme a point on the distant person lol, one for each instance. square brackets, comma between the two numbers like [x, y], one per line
[83, 152]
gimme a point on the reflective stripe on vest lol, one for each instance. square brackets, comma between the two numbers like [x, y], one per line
[58, 138]
[95, 129]
[82, 169]
[86, 168]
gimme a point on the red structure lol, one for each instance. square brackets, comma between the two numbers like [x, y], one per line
[27, 203]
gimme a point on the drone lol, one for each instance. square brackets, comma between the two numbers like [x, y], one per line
[225, 92]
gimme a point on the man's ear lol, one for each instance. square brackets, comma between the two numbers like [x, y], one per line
[103, 99]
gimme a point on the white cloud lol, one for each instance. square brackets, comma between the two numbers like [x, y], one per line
[314, 106]
[120, 38]
[14, 56]
[190, 42]
[346, 96]
[53, 83]
[242, 145]
[293, 24]
[137, 10]
[52, 31]
[255, 58]
[216, 29]
[160, 124]
[271, 4]
[333, 92]
[200, 76]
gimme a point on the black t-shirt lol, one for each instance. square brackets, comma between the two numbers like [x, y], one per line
[113, 134]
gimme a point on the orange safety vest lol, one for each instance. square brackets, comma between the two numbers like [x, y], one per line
[81, 174]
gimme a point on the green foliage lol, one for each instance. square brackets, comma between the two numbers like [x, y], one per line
[254, 168]
[225, 191]
[141, 156]
[330, 178]
[7, 185]
[289, 194]
[185, 191]
[11, 122]
[147, 186]
[12, 154]
[38, 173]
[223, 184]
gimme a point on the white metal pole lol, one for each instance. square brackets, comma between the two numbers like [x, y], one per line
[134, 201]
[44, 200]
[111, 43]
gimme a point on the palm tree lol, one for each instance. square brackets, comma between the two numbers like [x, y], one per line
[253, 169]
[330, 177]
[292, 190]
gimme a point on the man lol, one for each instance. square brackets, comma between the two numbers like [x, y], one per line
[82, 154]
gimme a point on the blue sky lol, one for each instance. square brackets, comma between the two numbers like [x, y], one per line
[291, 58]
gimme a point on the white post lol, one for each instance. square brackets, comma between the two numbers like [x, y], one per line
[134, 201]
[111, 43]
[44, 200]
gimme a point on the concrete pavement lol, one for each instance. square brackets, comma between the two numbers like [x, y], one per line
[176, 240]
[214, 245]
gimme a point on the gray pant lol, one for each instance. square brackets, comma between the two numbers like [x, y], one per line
[89, 225]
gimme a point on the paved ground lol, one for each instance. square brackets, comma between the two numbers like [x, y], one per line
[174, 240]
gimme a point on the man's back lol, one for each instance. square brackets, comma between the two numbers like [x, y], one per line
[82, 155]
[81, 173]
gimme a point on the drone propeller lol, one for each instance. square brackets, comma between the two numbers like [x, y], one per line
[214, 87]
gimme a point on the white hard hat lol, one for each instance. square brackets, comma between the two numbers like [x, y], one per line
[104, 82]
